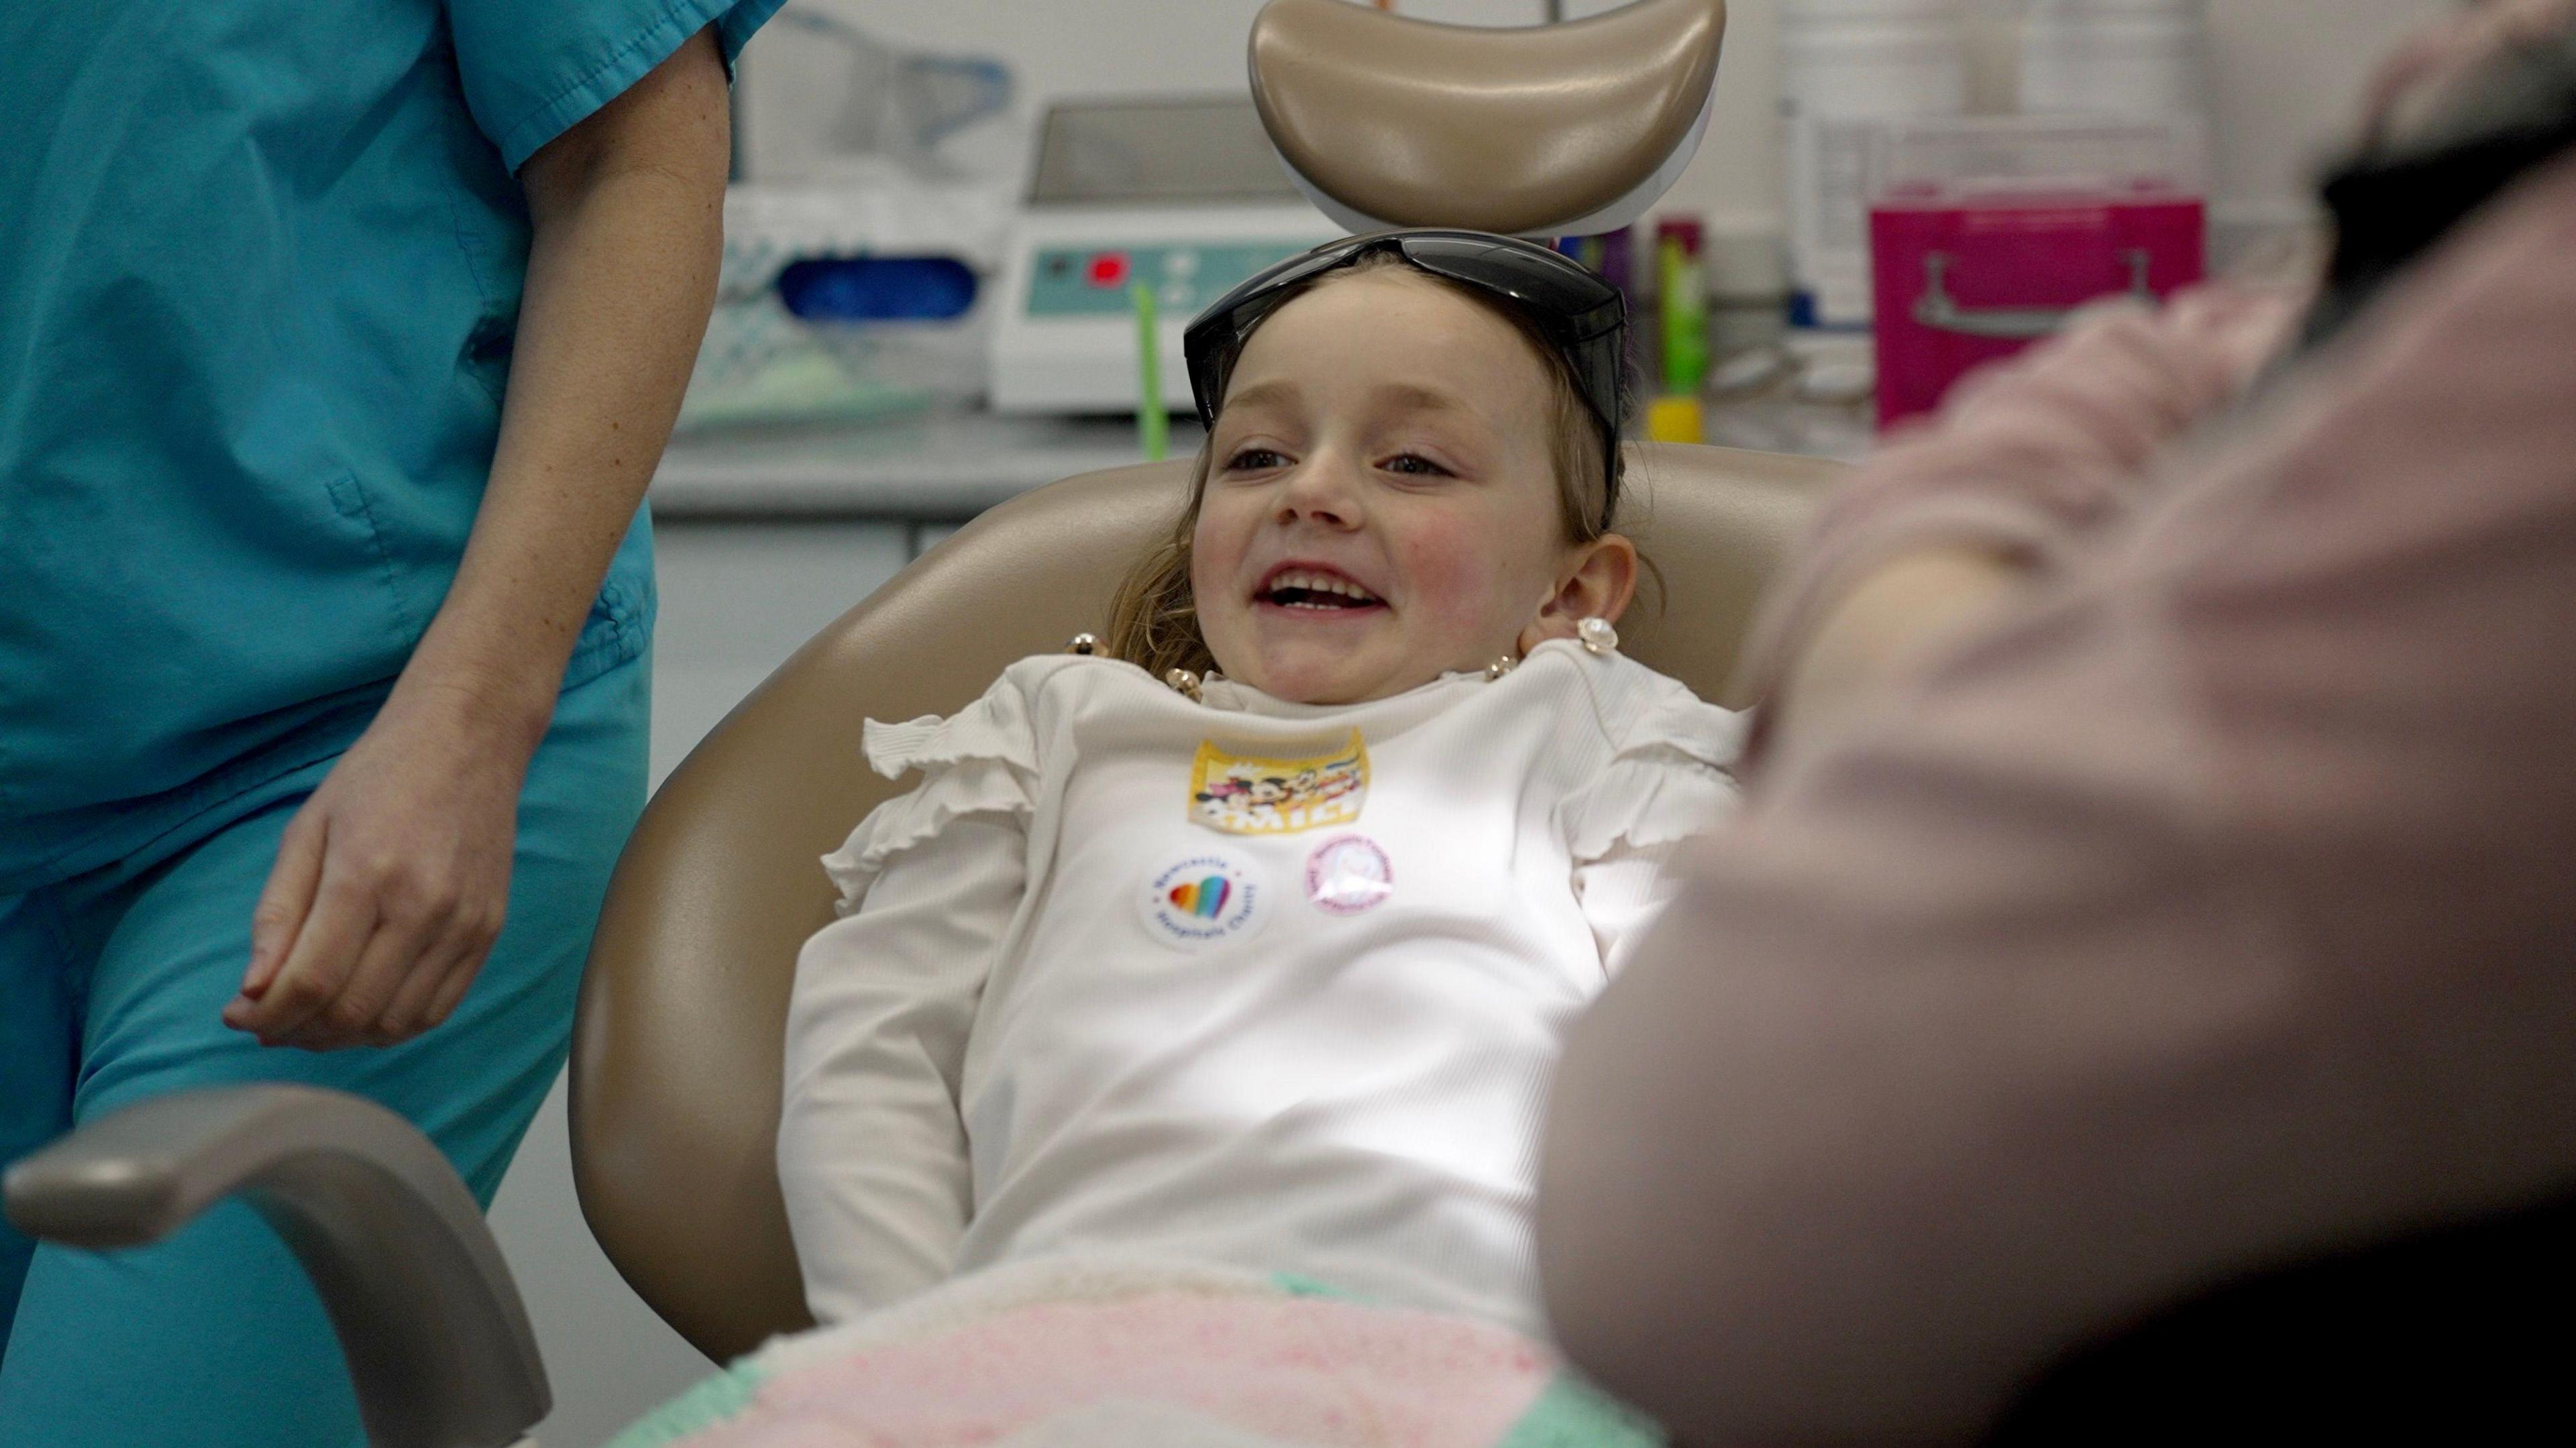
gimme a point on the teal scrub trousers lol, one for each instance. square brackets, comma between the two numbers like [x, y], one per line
[111, 985]
[261, 270]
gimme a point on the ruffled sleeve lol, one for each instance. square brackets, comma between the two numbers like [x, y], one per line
[1667, 779]
[979, 762]
[872, 1151]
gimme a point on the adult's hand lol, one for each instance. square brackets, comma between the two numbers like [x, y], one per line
[390, 886]
[392, 881]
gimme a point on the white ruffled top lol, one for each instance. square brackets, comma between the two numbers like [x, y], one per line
[1241, 982]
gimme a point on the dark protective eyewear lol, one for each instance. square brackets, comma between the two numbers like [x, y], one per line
[1582, 316]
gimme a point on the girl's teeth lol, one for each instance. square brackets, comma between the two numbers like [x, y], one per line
[1318, 583]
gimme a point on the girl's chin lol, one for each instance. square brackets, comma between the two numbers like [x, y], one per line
[1303, 676]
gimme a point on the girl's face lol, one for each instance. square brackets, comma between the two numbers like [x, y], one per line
[1381, 505]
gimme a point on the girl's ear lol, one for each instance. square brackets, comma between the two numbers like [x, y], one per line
[1598, 582]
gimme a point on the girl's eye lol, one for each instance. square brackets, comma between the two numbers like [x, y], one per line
[1415, 465]
[1254, 460]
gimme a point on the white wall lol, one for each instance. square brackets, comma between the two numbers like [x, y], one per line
[2288, 71]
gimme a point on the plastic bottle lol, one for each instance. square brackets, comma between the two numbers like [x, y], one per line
[1682, 293]
[1844, 65]
[1676, 414]
[2115, 57]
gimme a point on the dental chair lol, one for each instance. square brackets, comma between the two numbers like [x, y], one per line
[1569, 130]
[676, 1051]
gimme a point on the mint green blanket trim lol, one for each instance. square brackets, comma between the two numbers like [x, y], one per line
[1300, 1286]
[1574, 1414]
[1568, 1413]
[712, 1401]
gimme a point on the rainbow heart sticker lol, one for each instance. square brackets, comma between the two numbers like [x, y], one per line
[1203, 900]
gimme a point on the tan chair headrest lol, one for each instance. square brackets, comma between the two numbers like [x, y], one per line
[1390, 121]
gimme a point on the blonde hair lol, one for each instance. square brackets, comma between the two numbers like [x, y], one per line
[1154, 620]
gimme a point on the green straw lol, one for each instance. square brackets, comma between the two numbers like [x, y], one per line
[1153, 425]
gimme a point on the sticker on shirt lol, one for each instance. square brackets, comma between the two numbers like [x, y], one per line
[1246, 795]
[1348, 874]
[1203, 900]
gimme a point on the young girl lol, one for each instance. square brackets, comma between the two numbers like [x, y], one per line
[1251, 946]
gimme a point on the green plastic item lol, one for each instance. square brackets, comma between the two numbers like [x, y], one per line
[1153, 425]
[1683, 316]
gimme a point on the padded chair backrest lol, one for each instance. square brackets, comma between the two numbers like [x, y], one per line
[1565, 128]
[676, 1055]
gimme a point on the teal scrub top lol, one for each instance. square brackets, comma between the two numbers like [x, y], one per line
[260, 263]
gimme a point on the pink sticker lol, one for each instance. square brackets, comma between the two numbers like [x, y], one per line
[1348, 874]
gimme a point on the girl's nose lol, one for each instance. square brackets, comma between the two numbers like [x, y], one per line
[1322, 491]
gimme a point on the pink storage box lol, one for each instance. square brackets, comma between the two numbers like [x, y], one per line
[1985, 234]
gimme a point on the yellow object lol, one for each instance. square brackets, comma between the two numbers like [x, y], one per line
[1245, 795]
[1676, 419]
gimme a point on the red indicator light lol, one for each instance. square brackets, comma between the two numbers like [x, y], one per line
[1108, 269]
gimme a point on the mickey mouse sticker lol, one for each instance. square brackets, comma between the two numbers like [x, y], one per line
[1240, 794]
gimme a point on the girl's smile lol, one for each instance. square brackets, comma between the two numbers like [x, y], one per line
[1382, 505]
[1318, 591]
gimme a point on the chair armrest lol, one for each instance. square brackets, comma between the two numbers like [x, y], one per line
[437, 1342]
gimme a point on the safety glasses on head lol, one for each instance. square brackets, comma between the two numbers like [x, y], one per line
[1582, 316]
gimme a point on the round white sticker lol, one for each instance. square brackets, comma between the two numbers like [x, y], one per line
[1348, 874]
[1198, 901]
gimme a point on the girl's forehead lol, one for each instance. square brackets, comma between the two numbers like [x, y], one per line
[1390, 327]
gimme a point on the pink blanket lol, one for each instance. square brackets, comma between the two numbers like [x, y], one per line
[1133, 1360]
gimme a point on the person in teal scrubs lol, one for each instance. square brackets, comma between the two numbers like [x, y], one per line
[338, 340]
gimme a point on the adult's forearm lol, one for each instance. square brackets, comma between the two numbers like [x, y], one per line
[628, 228]
[1900, 612]
[2020, 470]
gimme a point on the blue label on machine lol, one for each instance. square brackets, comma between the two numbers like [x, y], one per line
[1092, 281]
